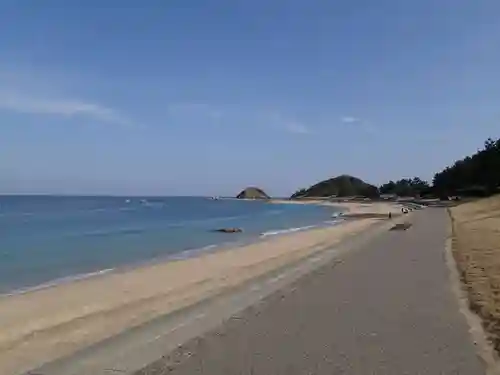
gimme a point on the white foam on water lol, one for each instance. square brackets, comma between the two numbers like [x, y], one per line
[334, 222]
[284, 231]
[192, 252]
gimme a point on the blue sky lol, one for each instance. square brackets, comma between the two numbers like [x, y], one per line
[206, 97]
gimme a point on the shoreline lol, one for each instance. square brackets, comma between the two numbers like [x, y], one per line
[349, 208]
[346, 208]
[56, 321]
[181, 255]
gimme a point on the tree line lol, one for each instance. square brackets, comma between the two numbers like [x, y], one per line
[406, 187]
[475, 175]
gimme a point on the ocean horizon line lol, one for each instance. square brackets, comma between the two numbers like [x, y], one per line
[45, 195]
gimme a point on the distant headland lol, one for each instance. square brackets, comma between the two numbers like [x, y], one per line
[340, 186]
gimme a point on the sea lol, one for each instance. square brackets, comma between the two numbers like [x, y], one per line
[47, 240]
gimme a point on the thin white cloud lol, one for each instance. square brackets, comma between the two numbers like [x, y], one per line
[279, 121]
[361, 124]
[195, 109]
[296, 128]
[349, 119]
[236, 115]
[18, 102]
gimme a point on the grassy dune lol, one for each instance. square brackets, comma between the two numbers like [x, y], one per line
[476, 248]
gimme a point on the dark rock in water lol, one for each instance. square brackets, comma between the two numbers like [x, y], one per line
[229, 230]
[253, 193]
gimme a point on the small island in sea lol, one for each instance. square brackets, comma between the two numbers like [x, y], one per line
[252, 193]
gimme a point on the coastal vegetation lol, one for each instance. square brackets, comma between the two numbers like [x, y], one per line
[475, 246]
[475, 231]
[475, 175]
[406, 187]
[340, 186]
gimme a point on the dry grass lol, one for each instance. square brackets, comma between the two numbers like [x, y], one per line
[476, 248]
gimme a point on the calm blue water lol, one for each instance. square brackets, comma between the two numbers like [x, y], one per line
[44, 238]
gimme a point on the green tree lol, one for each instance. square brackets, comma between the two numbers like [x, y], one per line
[406, 187]
[478, 174]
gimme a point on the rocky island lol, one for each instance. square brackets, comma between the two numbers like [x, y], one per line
[253, 193]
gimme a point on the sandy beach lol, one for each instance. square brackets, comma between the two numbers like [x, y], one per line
[351, 208]
[43, 325]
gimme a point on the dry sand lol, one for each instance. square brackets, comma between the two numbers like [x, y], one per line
[351, 208]
[476, 248]
[43, 325]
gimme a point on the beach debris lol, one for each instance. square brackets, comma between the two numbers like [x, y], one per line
[401, 226]
[229, 230]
